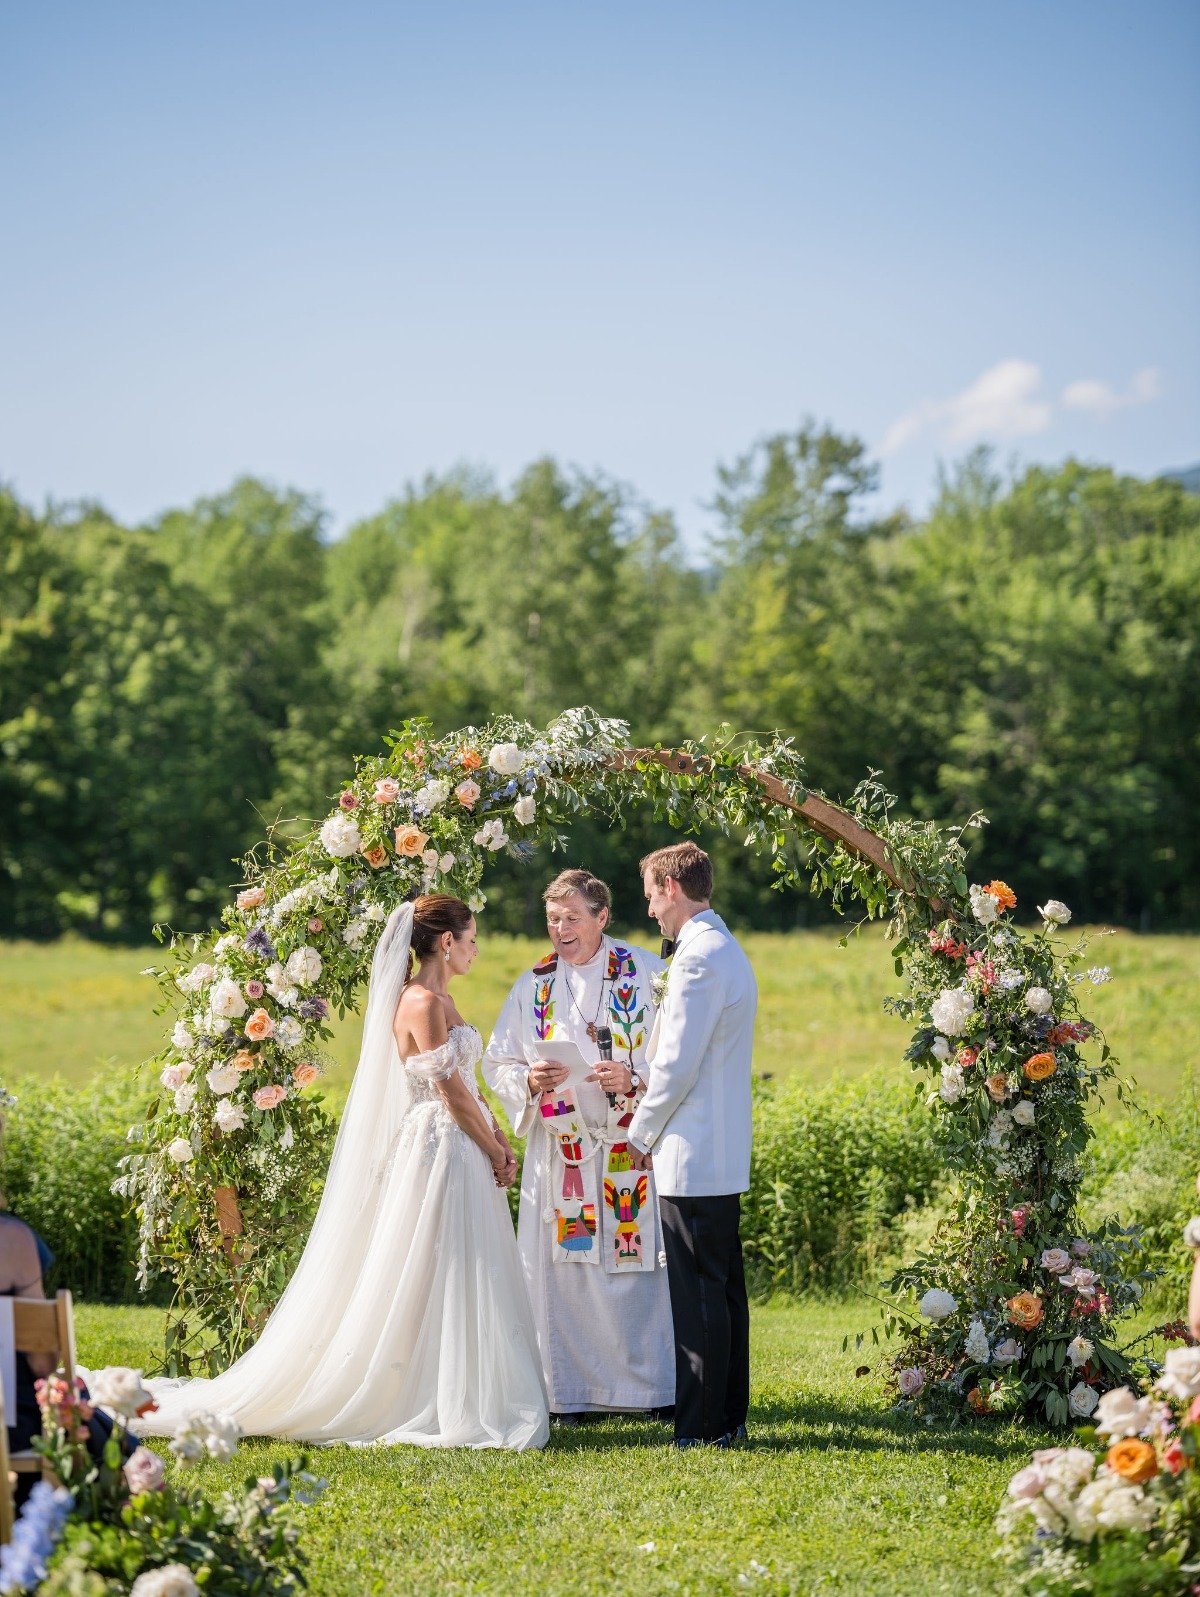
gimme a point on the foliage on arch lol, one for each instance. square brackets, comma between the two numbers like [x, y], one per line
[226, 1170]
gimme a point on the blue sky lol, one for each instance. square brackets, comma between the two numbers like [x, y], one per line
[339, 246]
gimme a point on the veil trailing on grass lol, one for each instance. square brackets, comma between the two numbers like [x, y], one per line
[299, 1376]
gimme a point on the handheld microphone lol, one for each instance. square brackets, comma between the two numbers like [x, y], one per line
[604, 1041]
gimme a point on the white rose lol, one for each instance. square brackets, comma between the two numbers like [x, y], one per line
[506, 759]
[194, 979]
[1082, 1399]
[984, 907]
[446, 864]
[1038, 1001]
[491, 835]
[941, 1048]
[120, 1391]
[1007, 1352]
[180, 1150]
[951, 1010]
[976, 1345]
[937, 1305]
[185, 1097]
[182, 1037]
[525, 809]
[952, 1084]
[174, 1076]
[1127, 1508]
[476, 903]
[171, 1580]
[1181, 1374]
[223, 1078]
[911, 1381]
[1024, 1113]
[289, 1033]
[229, 1116]
[304, 967]
[227, 1000]
[1079, 1351]
[1056, 1260]
[1191, 1233]
[341, 836]
[354, 934]
[1054, 912]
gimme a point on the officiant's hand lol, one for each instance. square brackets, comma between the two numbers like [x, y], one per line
[544, 1077]
[612, 1075]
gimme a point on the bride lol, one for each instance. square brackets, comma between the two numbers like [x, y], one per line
[407, 1319]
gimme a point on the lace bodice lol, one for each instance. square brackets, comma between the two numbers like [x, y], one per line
[460, 1052]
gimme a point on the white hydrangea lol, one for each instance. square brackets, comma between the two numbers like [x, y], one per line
[185, 1097]
[304, 967]
[506, 759]
[1038, 1001]
[223, 1078]
[225, 942]
[168, 1580]
[354, 933]
[227, 1000]
[941, 1048]
[229, 1116]
[289, 1033]
[431, 797]
[525, 809]
[180, 1150]
[984, 907]
[937, 1305]
[1054, 912]
[214, 1434]
[1009, 977]
[341, 836]
[952, 1085]
[951, 1010]
[976, 1345]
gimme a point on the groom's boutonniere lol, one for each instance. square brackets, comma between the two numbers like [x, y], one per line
[658, 985]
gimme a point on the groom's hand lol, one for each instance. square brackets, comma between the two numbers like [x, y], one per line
[640, 1160]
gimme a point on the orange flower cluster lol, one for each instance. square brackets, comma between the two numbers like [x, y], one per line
[978, 1401]
[1002, 893]
[1132, 1460]
[1040, 1067]
[470, 760]
[1025, 1310]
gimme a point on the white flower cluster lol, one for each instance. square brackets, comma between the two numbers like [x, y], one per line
[1191, 1233]
[937, 1305]
[340, 835]
[984, 906]
[431, 797]
[951, 1010]
[121, 1391]
[200, 1433]
[193, 980]
[1054, 912]
[1038, 1001]
[168, 1580]
[1066, 1495]
[491, 835]
[506, 759]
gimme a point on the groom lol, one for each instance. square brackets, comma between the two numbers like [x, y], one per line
[694, 1120]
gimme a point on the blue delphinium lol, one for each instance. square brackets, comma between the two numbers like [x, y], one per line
[34, 1538]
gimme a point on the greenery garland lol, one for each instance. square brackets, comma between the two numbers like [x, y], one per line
[226, 1170]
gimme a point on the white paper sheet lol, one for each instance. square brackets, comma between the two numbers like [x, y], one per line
[567, 1053]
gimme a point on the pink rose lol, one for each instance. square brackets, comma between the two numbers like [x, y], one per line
[467, 794]
[269, 1097]
[144, 1472]
[251, 897]
[260, 1026]
[910, 1381]
[254, 990]
[348, 800]
[1174, 1456]
[1027, 1483]
[305, 1075]
[316, 924]
[387, 791]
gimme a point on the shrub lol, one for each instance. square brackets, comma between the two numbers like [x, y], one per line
[837, 1170]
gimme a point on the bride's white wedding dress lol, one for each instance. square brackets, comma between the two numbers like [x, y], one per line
[408, 1318]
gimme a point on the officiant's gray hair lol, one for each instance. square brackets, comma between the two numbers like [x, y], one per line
[595, 893]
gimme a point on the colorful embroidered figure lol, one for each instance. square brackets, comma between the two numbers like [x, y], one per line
[619, 1158]
[626, 1202]
[626, 1015]
[576, 1231]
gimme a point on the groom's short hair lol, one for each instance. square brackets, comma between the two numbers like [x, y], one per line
[592, 890]
[688, 864]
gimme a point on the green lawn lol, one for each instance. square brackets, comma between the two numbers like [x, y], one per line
[72, 1007]
[837, 1493]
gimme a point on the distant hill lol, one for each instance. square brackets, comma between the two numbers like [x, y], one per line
[1189, 476]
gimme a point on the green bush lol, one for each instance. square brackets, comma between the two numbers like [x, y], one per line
[61, 1147]
[837, 1171]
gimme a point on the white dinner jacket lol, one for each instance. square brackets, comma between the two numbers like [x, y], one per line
[695, 1115]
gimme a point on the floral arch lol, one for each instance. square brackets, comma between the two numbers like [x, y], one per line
[1012, 1309]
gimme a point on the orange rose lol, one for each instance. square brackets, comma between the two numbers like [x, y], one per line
[1040, 1067]
[305, 1075]
[260, 1026]
[410, 840]
[1025, 1310]
[251, 897]
[977, 1401]
[245, 1059]
[997, 1088]
[1002, 893]
[471, 761]
[1132, 1460]
[375, 857]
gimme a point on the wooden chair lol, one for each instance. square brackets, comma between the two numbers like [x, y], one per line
[40, 1326]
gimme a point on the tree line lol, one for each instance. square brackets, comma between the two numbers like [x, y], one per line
[1028, 648]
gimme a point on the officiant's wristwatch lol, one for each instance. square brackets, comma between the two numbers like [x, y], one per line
[635, 1081]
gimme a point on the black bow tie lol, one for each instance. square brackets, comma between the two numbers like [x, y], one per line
[668, 947]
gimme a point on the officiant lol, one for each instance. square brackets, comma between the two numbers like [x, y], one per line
[588, 1228]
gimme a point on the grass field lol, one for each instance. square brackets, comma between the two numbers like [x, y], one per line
[837, 1494]
[71, 1008]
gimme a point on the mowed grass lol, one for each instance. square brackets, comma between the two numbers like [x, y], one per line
[837, 1493]
[72, 1008]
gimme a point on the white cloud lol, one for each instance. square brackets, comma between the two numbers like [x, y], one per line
[1101, 399]
[1007, 401]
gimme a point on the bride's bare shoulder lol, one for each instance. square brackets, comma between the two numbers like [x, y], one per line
[420, 1019]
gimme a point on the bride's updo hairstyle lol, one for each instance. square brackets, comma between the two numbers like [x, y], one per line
[435, 914]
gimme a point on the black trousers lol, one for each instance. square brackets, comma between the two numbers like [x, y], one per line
[710, 1314]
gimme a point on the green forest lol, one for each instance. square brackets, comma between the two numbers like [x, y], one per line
[1029, 648]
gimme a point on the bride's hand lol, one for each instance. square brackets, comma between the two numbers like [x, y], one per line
[504, 1162]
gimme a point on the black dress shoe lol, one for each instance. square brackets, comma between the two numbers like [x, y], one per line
[736, 1438]
[682, 1442]
[566, 1419]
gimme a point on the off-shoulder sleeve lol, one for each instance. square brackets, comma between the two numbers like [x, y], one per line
[437, 1065]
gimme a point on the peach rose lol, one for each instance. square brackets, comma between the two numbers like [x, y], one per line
[471, 761]
[1002, 893]
[410, 840]
[977, 1400]
[260, 1026]
[315, 924]
[1040, 1067]
[997, 1088]
[251, 897]
[269, 1097]
[387, 790]
[1025, 1310]
[375, 857]
[245, 1059]
[467, 794]
[1132, 1460]
[305, 1075]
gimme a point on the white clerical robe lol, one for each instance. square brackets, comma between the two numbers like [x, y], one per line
[606, 1339]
